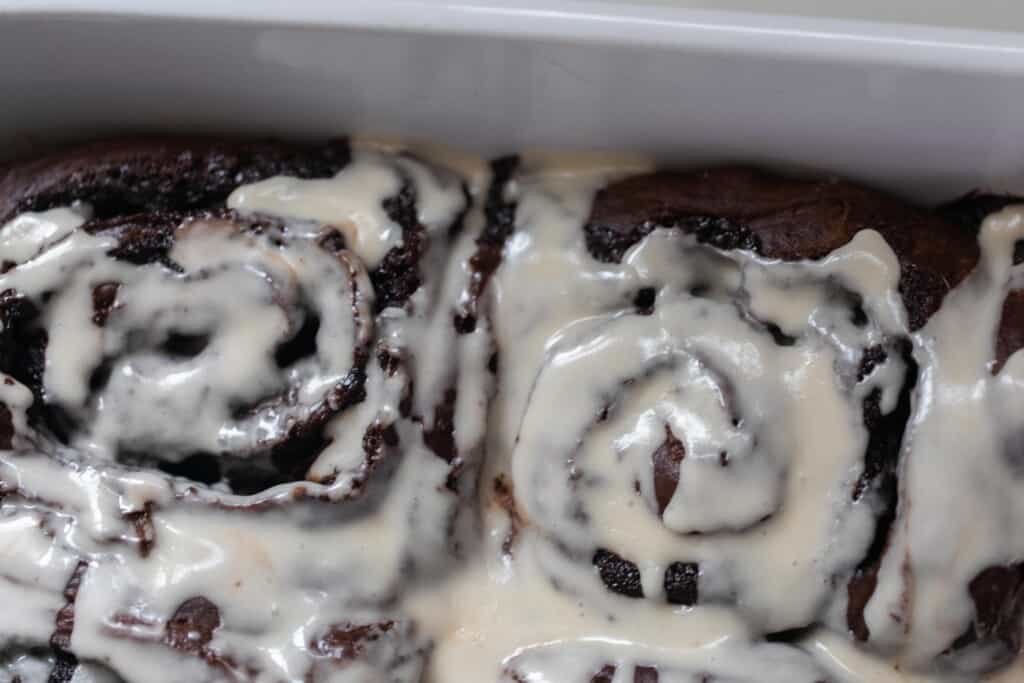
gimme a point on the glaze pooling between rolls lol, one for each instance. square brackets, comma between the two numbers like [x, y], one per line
[744, 428]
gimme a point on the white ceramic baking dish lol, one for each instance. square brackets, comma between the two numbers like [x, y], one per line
[927, 112]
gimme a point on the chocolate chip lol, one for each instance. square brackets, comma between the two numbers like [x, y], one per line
[618, 575]
[681, 583]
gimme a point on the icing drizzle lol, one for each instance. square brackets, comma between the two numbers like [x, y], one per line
[251, 452]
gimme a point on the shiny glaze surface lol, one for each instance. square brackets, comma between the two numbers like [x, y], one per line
[708, 432]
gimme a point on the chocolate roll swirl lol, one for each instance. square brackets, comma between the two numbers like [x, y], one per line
[745, 384]
[220, 409]
[749, 428]
[193, 360]
[713, 443]
[664, 290]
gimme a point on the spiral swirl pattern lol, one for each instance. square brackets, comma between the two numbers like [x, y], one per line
[698, 445]
[219, 419]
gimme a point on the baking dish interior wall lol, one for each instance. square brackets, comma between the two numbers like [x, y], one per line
[924, 131]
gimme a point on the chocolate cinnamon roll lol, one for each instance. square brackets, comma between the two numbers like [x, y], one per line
[746, 427]
[667, 450]
[232, 384]
[713, 442]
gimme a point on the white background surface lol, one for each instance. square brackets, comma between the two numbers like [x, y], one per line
[992, 15]
[999, 15]
[927, 112]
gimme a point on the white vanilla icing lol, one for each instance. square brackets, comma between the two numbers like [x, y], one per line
[724, 661]
[281, 578]
[227, 292]
[842, 659]
[350, 201]
[794, 458]
[740, 355]
[962, 492]
[21, 668]
[30, 233]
